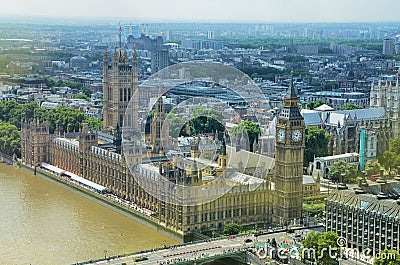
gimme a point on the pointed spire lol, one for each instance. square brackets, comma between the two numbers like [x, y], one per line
[120, 36]
[134, 55]
[105, 58]
[223, 147]
[105, 51]
[291, 92]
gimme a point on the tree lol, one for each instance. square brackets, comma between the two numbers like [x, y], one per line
[391, 158]
[314, 209]
[93, 123]
[253, 76]
[66, 83]
[316, 144]
[325, 50]
[315, 248]
[86, 91]
[82, 96]
[372, 167]
[388, 257]
[41, 114]
[252, 130]
[10, 139]
[28, 110]
[315, 104]
[331, 86]
[231, 229]
[294, 59]
[348, 169]
[49, 82]
[350, 75]
[204, 121]
[351, 107]
[263, 72]
[11, 111]
[177, 125]
[394, 145]
[71, 119]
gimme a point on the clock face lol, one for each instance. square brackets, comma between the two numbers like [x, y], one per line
[281, 134]
[296, 135]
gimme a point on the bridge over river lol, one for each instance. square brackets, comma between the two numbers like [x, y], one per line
[204, 251]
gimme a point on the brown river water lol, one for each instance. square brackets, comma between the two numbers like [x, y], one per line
[44, 223]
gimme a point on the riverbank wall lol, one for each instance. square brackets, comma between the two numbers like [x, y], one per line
[109, 203]
[6, 159]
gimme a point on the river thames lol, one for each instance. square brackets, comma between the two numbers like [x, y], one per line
[44, 223]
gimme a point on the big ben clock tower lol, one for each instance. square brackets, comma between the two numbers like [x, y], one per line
[289, 155]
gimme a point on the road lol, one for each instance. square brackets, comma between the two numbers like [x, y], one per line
[195, 251]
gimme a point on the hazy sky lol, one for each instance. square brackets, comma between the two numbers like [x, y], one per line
[211, 10]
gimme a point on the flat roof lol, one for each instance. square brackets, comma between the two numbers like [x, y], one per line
[346, 155]
[85, 181]
[53, 168]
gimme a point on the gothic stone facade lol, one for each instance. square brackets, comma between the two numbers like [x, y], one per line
[276, 199]
[35, 140]
[385, 93]
[85, 158]
[120, 85]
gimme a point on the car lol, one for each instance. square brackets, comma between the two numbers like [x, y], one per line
[248, 240]
[290, 231]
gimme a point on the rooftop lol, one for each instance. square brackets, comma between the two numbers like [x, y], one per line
[341, 156]
[366, 202]
[324, 107]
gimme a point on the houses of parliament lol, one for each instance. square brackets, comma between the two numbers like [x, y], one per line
[258, 190]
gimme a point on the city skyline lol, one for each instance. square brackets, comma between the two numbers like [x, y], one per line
[206, 11]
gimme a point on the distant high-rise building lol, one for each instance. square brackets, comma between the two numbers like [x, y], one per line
[305, 33]
[159, 60]
[388, 46]
[397, 48]
[168, 35]
[210, 35]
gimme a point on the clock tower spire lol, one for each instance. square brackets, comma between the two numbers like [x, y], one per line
[289, 156]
